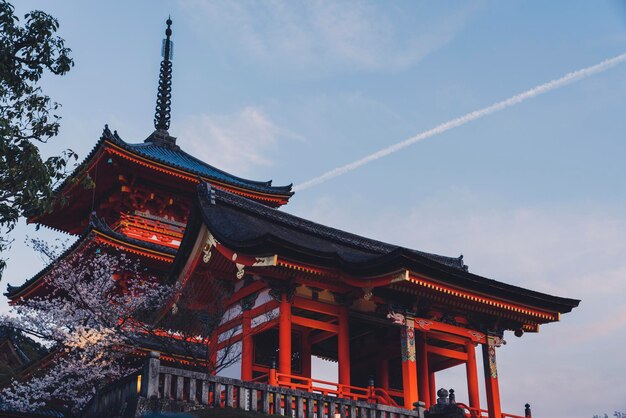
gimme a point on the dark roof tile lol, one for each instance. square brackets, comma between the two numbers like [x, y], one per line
[257, 230]
[174, 156]
[252, 221]
[95, 225]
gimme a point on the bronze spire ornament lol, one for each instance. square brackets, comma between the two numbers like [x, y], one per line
[164, 96]
[163, 109]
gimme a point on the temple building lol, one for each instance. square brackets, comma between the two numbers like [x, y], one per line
[390, 317]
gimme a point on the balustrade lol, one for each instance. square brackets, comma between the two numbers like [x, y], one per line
[169, 388]
[158, 387]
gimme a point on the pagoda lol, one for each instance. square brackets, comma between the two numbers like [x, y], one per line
[136, 197]
[390, 317]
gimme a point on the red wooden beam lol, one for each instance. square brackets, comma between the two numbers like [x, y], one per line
[443, 365]
[422, 324]
[449, 338]
[246, 291]
[315, 306]
[259, 310]
[312, 323]
[446, 352]
[256, 330]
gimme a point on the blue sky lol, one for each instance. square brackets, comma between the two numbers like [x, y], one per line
[533, 195]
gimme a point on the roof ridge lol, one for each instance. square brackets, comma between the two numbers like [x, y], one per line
[324, 231]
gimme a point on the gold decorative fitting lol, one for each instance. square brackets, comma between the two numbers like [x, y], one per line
[208, 244]
[240, 271]
[422, 323]
[477, 336]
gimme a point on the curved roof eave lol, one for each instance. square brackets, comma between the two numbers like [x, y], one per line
[140, 149]
[175, 157]
[374, 256]
[95, 226]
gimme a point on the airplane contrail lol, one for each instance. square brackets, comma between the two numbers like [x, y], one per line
[477, 114]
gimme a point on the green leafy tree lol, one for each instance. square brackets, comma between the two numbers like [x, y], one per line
[27, 116]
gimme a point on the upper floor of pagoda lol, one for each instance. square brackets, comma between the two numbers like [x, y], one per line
[154, 177]
[131, 185]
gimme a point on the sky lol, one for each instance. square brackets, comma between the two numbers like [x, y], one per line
[533, 195]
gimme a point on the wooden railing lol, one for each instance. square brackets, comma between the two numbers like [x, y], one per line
[157, 387]
[370, 394]
[384, 397]
[172, 389]
[483, 413]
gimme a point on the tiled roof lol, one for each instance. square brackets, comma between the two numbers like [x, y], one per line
[254, 220]
[175, 157]
[254, 229]
[21, 344]
[95, 225]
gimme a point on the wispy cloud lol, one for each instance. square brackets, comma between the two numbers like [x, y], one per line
[237, 142]
[467, 118]
[325, 35]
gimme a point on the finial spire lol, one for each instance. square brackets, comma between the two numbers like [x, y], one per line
[161, 135]
[164, 96]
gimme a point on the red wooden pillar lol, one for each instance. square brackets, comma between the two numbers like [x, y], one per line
[472, 377]
[213, 353]
[422, 368]
[306, 354]
[491, 378]
[409, 369]
[271, 376]
[284, 336]
[432, 386]
[343, 347]
[246, 347]
[382, 380]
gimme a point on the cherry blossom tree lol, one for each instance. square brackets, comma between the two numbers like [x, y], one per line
[99, 311]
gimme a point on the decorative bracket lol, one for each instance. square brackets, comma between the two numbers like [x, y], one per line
[209, 243]
[476, 336]
[407, 336]
[498, 341]
[278, 287]
[241, 261]
[423, 324]
[491, 347]
[396, 317]
[248, 302]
